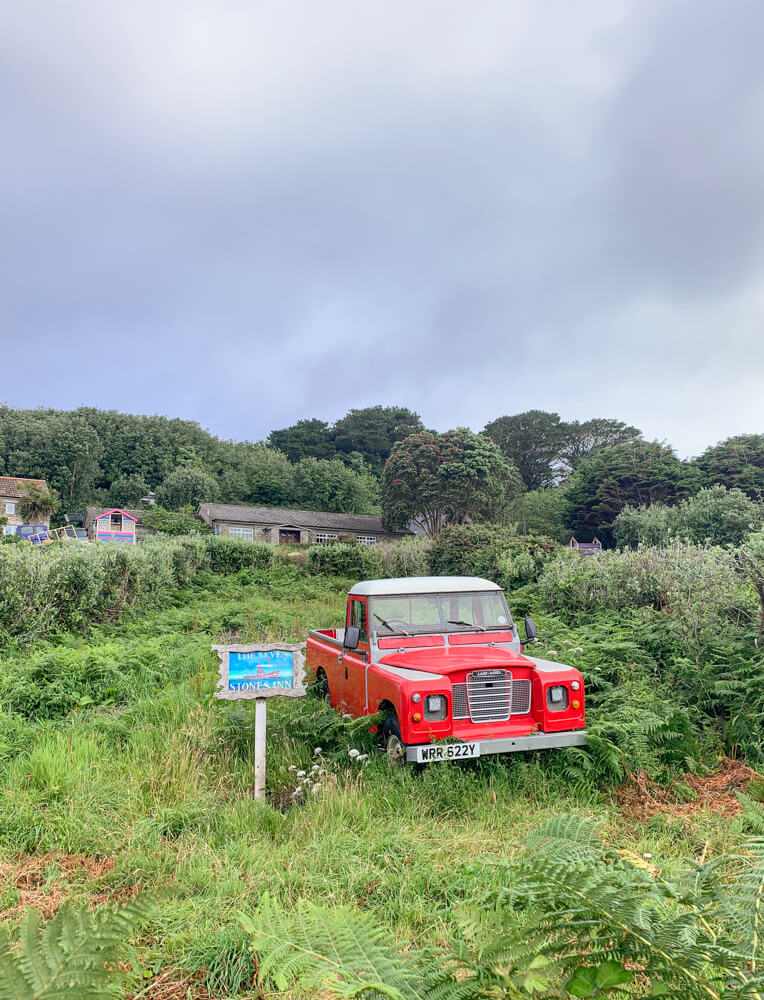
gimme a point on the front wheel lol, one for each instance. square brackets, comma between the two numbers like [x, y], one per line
[392, 742]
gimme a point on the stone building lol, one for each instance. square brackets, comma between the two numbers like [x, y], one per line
[12, 490]
[276, 525]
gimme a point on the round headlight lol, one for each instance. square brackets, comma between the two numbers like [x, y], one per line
[575, 685]
[416, 697]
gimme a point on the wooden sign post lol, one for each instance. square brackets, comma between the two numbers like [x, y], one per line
[258, 672]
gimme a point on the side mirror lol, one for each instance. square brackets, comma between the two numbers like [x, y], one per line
[530, 630]
[352, 637]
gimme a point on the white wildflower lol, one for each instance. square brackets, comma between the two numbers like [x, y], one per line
[316, 789]
[647, 857]
[352, 754]
[292, 767]
[300, 774]
[552, 652]
[317, 751]
[362, 756]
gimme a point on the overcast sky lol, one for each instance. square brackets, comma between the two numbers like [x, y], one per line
[245, 213]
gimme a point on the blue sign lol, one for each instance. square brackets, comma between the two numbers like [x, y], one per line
[261, 670]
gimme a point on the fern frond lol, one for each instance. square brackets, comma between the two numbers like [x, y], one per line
[345, 952]
[74, 957]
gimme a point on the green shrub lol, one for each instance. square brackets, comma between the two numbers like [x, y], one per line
[714, 516]
[13, 540]
[230, 555]
[345, 559]
[72, 586]
[407, 557]
[490, 551]
[174, 522]
[698, 588]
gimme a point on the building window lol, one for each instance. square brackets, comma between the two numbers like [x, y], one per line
[367, 539]
[325, 536]
[239, 532]
[10, 508]
[9, 529]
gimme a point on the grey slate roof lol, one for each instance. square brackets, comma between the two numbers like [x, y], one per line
[17, 486]
[243, 514]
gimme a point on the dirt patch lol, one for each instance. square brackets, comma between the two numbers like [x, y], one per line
[641, 798]
[167, 986]
[38, 887]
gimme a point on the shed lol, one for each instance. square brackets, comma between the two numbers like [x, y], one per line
[592, 548]
[115, 525]
[94, 514]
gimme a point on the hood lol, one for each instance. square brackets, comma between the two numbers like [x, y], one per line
[451, 659]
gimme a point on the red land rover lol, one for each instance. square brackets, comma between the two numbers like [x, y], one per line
[442, 658]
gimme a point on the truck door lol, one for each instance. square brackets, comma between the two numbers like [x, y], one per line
[353, 677]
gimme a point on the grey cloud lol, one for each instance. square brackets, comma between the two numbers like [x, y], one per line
[329, 207]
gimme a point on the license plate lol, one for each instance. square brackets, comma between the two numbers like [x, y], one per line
[447, 751]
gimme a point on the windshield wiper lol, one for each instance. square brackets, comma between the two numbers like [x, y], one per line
[396, 631]
[451, 621]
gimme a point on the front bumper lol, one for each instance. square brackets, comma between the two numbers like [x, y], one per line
[512, 744]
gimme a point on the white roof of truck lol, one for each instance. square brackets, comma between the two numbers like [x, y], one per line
[423, 585]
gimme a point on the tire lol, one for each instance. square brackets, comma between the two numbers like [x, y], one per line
[320, 688]
[392, 742]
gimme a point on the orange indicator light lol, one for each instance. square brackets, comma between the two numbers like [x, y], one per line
[417, 716]
[576, 703]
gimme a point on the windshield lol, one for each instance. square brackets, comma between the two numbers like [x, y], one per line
[401, 615]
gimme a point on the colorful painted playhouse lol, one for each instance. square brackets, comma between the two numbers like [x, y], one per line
[115, 526]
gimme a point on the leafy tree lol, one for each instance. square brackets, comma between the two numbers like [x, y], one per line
[532, 441]
[437, 479]
[738, 461]
[638, 474]
[305, 439]
[715, 516]
[174, 522]
[38, 504]
[260, 475]
[186, 488]
[581, 439]
[330, 485]
[541, 512]
[151, 446]
[57, 446]
[643, 525]
[373, 432]
[128, 491]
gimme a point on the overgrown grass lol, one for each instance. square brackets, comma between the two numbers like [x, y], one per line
[112, 747]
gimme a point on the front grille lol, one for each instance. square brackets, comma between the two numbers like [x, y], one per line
[521, 697]
[489, 695]
[459, 695]
[480, 701]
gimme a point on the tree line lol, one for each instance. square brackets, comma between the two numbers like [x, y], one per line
[530, 469]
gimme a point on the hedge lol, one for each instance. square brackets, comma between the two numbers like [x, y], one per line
[345, 559]
[490, 551]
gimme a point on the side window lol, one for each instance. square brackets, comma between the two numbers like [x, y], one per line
[358, 617]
